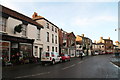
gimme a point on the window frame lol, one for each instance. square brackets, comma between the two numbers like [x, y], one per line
[24, 30]
[52, 38]
[3, 23]
[38, 34]
[48, 37]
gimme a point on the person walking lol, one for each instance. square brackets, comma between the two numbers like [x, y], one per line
[81, 55]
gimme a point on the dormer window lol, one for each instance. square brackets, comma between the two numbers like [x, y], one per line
[3, 24]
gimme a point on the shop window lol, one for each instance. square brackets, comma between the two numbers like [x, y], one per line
[38, 34]
[26, 49]
[5, 49]
[24, 30]
[3, 24]
[47, 36]
[52, 38]
[36, 48]
[14, 48]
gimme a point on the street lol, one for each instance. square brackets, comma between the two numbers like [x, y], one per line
[90, 67]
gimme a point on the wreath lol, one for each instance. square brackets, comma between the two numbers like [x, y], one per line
[18, 28]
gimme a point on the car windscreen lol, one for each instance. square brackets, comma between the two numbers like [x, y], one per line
[47, 54]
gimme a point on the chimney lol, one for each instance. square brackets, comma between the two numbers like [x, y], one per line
[109, 38]
[82, 35]
[34, 15]
[101, 38]
[94, 41]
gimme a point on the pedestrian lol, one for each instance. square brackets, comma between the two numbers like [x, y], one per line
[81, 55]
[17, 57]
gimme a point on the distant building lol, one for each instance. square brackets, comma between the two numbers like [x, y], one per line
[63, 42]
[117, 46]
[71, 44]
[83, 44]
[108, 44]
[67, 44]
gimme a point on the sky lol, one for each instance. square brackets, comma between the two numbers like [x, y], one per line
[93, 18]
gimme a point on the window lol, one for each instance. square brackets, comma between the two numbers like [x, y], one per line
[47, 54]
[24, 30]
[52, 28]
[53, 49]
[48, 25]
[56, 30]
[52, 38]
[3, 24]
[35, 50]
[56, 39]
[38, 34]
[47, 36]
[47, 48]
[56, 49]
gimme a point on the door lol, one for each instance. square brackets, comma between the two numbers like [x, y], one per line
[40, 52]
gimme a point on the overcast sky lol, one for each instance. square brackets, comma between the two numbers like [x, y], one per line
[94, 18]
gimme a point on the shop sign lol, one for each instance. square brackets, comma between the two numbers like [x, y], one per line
[4, 44]
[16, 39]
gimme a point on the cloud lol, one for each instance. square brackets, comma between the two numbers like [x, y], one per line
[92, 21]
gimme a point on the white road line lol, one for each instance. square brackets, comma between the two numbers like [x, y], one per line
[115, 65]
[80, 62]
[68, 67]
[33, 75]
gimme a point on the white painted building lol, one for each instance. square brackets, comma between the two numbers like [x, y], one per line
[49, 34]
[19, 34]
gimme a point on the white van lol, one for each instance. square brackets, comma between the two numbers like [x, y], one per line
[50, 57]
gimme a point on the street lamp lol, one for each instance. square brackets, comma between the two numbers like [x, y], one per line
[118, 29]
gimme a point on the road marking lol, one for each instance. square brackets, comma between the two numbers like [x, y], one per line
[80, 62]
[33, 75]
[115, 65]
[68, 67]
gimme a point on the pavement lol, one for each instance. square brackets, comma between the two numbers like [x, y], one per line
[90, 67]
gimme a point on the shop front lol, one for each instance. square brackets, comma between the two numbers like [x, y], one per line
[12, 46]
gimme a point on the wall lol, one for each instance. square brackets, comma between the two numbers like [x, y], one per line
[44, 35]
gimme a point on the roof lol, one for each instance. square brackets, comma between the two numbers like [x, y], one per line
[71, 33]
[107, 39]
[36, 17]
[17, 15]
[84, 37]
[100, 44]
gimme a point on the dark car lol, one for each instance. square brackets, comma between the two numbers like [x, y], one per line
[65, 57]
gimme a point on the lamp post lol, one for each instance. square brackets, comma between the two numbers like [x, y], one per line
[118, 29]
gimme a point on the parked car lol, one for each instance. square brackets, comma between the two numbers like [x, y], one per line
[65, 57]
[96, 53]
[50, 57]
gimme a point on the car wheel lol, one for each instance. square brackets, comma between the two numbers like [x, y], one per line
[65, 60]
[69, 59]
[53, 61]
[61, 60]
